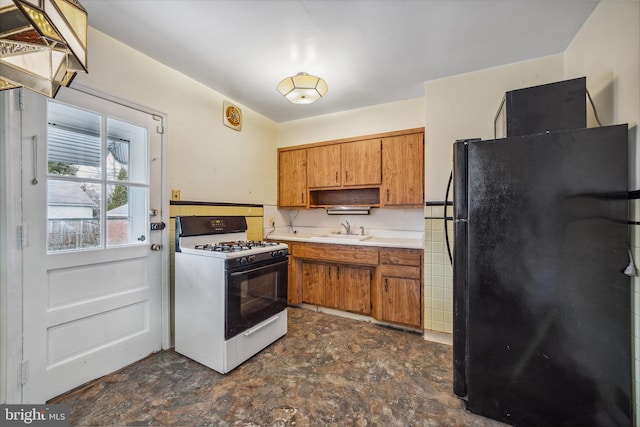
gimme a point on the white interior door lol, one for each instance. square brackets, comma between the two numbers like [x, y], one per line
[92, 273]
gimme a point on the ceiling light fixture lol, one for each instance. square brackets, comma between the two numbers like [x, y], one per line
[43, 43]
[303, 88]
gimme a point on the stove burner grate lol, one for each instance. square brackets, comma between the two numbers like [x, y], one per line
[235, 246]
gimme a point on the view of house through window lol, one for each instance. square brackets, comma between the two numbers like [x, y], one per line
[97, 180]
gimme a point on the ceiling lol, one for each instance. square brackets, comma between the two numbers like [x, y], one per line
[369, 52]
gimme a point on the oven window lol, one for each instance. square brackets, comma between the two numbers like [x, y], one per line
[254, 293]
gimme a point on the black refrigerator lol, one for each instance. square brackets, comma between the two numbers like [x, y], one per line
[542, 332]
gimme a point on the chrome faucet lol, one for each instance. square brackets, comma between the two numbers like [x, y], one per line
[347, 226]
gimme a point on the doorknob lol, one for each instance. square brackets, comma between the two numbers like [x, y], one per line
[153, 212]
[156, 247]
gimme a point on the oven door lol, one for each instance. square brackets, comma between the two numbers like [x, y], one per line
[255, 293]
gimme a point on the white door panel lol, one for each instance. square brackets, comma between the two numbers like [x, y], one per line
[91, 311]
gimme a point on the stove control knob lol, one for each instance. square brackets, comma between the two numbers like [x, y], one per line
[244, 260]
[276, 254]
[250, 259]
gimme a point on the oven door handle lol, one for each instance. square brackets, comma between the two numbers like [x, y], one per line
[260, 326]
[243, 272]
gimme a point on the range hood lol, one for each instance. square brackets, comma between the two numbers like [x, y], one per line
[349, 210]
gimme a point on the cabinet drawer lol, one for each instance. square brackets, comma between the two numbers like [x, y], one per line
[411, 257]
[337, 253]
[401, 271]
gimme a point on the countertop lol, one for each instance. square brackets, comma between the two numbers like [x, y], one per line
[381, 238]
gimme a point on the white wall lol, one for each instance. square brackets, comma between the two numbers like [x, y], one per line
[407, 114]
[464, 106]
[379, 219]
[207, 160]
[607, 51]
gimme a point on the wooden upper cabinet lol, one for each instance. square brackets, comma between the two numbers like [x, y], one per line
[403, 171]
[324, 168]
[361, 163]
[292, 178]
[381, 170]
[350, 164]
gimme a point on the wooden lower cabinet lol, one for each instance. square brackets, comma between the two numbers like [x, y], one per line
[399, 293]
[385, 283]
[314, 278]
[337, 286]
[401, 301]
[356, 289]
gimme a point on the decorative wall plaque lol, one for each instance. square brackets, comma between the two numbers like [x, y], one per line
[231, 116]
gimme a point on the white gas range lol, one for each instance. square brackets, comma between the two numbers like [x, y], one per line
[230, 293]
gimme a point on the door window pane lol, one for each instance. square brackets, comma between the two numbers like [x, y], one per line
[118, 160]
[74, 143]
[73, 212]
[128, 156]
[126, 215]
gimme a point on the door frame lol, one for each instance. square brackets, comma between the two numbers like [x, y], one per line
[11, 331]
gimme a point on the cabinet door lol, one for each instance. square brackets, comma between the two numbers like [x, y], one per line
[323, 166]
[292, 178]
[333, 287]
[361, 163]
[313, 283]
[401, 301]
[403, 170]
[356, 285]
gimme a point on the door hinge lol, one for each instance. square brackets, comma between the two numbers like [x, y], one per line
[21, 99]
[23, 238]
[23, 371]
[157, 118]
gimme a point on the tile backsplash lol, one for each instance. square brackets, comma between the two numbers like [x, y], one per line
[438, 273]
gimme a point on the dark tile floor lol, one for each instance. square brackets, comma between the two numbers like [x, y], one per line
[327, 370]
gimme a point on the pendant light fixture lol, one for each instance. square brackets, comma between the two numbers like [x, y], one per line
[303, 88]
[43, 43]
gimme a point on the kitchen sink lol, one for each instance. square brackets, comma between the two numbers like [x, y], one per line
[341, 237]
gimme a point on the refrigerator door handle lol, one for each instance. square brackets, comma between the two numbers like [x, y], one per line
[460, 311]
[460, 183]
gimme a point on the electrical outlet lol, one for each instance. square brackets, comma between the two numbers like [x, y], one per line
[271, 221]
[175, 195]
